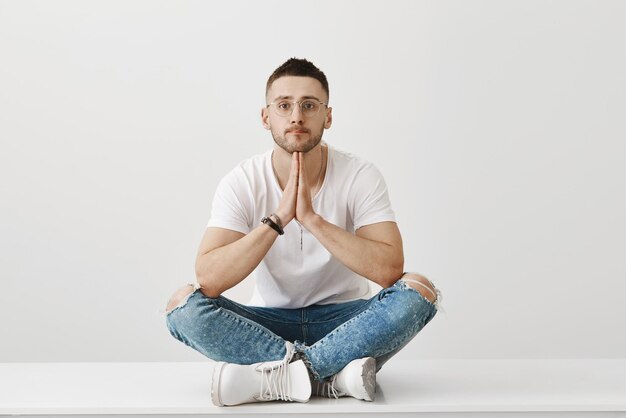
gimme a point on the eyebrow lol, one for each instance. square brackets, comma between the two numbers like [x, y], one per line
[291, 98]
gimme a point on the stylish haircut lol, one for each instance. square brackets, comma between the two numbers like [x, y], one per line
[298, 67]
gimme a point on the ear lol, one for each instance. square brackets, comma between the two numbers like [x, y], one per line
[329, 118]
[265, 118]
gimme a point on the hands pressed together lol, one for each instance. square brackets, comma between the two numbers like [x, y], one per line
[297, 200]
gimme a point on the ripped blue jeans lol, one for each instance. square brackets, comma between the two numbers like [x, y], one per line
[328, 337]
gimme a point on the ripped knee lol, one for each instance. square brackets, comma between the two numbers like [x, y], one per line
[422, 285]
[179, 297]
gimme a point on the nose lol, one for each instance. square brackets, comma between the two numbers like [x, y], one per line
[296, 114]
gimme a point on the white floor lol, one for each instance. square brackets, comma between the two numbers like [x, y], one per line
[441, 388]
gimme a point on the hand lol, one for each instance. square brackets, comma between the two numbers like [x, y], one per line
[304, 203]
[287, 206]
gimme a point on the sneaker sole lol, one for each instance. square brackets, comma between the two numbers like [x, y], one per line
[215, 383]
[368, 373]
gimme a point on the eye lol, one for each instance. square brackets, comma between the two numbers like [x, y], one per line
[309, 105]
[283, 105]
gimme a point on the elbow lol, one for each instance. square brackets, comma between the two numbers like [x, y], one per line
[392, 273]
[207, 283]
[392, 278]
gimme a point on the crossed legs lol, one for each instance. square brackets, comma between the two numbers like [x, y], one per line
[224, 330]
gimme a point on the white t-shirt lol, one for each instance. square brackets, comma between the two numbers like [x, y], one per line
[352, 195]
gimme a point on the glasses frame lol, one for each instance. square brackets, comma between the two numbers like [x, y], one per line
[296, 102]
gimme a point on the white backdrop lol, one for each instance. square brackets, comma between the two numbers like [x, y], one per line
[498, 125]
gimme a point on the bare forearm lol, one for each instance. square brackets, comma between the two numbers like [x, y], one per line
[224, 267]
[376, 261]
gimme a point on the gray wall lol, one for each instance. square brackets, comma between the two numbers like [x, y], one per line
[499, 126]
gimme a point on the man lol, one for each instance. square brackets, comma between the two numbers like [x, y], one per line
[314, 224]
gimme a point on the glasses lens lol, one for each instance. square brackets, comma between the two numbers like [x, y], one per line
[283, 108]
[308, 107]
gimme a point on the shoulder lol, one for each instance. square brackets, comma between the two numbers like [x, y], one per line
[249, 169]
[254, 163]
[348, 161]
[352, 166]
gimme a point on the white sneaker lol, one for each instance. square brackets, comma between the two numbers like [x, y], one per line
[234, 384]
[357, 379]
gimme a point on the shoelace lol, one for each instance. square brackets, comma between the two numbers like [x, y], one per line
[332, 391]
[275, 383]
[328, 389]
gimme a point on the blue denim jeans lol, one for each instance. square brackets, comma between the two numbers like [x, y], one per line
[328, 337]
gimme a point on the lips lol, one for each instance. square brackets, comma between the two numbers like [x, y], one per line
[297, 131]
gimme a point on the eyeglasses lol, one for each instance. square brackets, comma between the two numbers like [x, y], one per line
[308, 107]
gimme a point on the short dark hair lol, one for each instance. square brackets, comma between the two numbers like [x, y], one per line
[298, 67]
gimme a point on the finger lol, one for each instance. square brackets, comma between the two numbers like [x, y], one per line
[303, 185]
[302, 171]
[294, 163]
[296, 167]
[293, 173]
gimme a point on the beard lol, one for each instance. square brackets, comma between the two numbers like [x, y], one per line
[306, 146]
